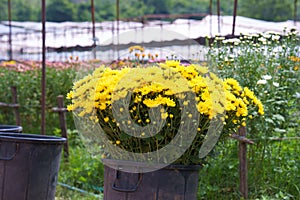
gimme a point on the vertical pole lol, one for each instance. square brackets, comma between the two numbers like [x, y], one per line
[93, 21]
[118, 18]
[210, 13]
[63, 124]
[93, 28]
[43, 100]
[295, 12]
[10, 31]
[218, 8]
[234, 16]
[15, 101]
[243, 170]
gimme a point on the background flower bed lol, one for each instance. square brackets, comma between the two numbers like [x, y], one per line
[26, 76]
[273, 165]
[269, 65]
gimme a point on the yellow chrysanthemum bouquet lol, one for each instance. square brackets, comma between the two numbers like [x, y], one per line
[162, 112]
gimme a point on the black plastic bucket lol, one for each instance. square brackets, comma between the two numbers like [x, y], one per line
[169, 183]
[29, 166]
[11, 128]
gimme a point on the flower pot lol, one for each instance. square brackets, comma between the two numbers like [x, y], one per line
[29, 166]
[172, 182]
[11, 128]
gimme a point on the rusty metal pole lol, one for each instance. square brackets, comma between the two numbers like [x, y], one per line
[93, 21]
[93, 28]
[234, 16]
[118, 18]
[218, 8]
[210, 14]
[43, 99]
[10, 31]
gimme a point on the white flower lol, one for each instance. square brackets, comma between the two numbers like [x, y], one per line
[297, 95]
[267, 77]
[276, 84]
[262, 39]
[275, 37]
[233, 40]
[261, 82]
[266, 35]
[219, 38]
[224, 41]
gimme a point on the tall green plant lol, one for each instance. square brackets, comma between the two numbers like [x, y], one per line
[28, 84]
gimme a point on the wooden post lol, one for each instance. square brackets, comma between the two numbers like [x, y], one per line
[62, 121]
[16, 108]
[243, 170]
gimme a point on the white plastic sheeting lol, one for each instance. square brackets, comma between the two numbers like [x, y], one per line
[27, 38]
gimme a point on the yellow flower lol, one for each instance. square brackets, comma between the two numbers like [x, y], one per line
[249, 93]
[163, 85]
[106, 119]
[70, 95]
[102, 106]
[172, 63]
[70, 107]
[164, 115]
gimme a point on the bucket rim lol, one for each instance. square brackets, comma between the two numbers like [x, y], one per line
[31, 138]
[4, 127]
[126, 163]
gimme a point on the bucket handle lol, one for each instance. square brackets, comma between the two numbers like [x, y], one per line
[11, 156]
[132, 189]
